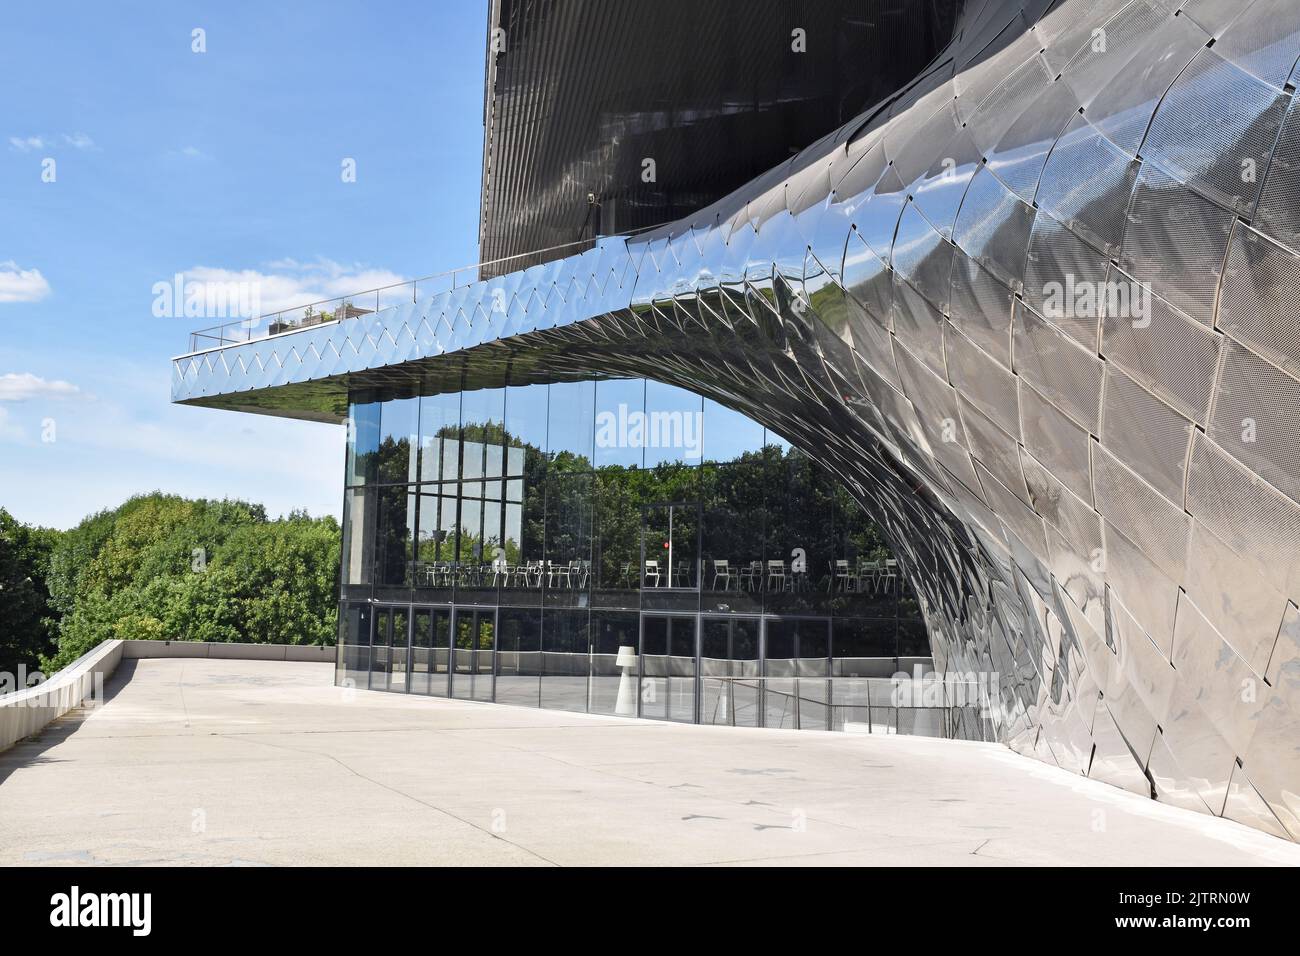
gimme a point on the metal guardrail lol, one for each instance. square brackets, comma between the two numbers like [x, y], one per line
[936, 705]
[368, 302]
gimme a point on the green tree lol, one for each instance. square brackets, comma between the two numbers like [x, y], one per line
[26, 617]
[164, 567]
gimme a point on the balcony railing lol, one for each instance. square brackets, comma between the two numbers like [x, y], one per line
[365, 303]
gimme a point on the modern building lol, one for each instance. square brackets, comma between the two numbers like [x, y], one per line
[1034, 312]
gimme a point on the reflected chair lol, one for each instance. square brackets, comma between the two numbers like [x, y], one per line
[681, 575]
[776, 579]
[866, 575]
[751, 576]
[841, 578]
[721, 572]
[651, 577]
[886, 579]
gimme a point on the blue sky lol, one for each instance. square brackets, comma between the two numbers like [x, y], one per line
[165, 161]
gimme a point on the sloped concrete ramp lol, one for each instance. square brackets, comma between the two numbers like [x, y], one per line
[230, 762]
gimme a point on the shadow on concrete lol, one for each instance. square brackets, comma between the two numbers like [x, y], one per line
[32, 751]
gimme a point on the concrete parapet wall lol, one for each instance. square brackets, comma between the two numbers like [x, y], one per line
[27, 712]
[239, 652]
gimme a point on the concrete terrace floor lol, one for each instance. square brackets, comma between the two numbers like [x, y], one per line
[211, 762]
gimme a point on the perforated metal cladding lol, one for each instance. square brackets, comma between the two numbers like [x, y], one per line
[980, 306]
[1017, 160]
[984, 381]
[1246, 513]
[1215, 129]
[993, 228]
[1166, 351]
[1237, 599]
[988, 447]
[1176, 241]
[1141, 586]
[1059, 262]
[1264, 40]
[1086, 185]
[1257, 302]
[1107, 47]
[1278, 212]
[1123, 108]
[1128, 502]
[1056, 440]
[938, 193]
[1057, 367]
[1146, 433]
[1257, 418]
[923, 256]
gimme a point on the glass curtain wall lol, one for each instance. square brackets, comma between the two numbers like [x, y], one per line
[615, 546]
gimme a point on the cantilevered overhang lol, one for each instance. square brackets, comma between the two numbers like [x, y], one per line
[307, 373]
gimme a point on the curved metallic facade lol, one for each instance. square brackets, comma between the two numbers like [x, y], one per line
[1039, 313]
[580, 93]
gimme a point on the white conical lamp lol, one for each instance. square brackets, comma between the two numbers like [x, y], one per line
[625, 706]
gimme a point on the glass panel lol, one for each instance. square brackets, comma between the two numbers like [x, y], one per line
[400, 656]
[570, 432]
[780, 703]
[519, 657]
[363, 443]
[865, 648]
[620, 423]
[395, 538]
[566, 576]
[439, 436]
[728, 434]
[398, 441]
[670, 545]
[379, 650]
[616, 564]
[436, 541]
[564, 660]
[441, 660]
[475, 636]
[859, 583]
[668, 668]
[614, 663]
[526, 415]
[800, 529]
[681, 668]
[734, 519]
[729, 668]
[483, 415]
[354, 635]
[674, 425]
[358, 537]
[654, 666]
[421, 651]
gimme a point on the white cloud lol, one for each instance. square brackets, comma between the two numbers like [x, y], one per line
[186, 152]
[19, 387]
[21, 285]
[288, 283]
[25, 144]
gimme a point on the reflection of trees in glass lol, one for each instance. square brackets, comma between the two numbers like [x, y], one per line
[465, 637]
[762, 505]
